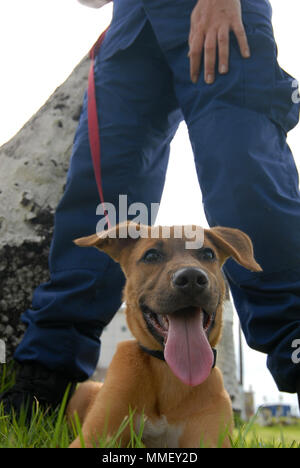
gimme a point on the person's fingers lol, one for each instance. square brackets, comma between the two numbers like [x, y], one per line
[241, 36]
[207, 42]
[210, 53]
[223, 48]
[195, 54]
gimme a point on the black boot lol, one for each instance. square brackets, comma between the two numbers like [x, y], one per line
[34, 382]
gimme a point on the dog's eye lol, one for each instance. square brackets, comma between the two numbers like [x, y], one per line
[152, 256]
[207, 254]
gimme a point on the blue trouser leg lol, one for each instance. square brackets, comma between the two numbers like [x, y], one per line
[248, 179]
[138, 116]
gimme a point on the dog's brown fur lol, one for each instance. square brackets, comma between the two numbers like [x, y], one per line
[175, 414]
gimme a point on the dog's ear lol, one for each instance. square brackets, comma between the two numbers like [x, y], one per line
[115, 240]
[233, 243]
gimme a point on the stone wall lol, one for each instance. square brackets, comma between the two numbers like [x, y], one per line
[33, 172]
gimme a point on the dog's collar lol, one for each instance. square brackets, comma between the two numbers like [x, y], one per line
[160, 354]
[153, 352]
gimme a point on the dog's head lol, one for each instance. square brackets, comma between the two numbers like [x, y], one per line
[174, 294]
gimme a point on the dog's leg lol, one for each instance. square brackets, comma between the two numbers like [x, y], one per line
[123, 389]
[83, 399]
[211, 429]
[103, 420]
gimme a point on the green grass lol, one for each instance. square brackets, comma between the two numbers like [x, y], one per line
[252, 435]
[52, 430]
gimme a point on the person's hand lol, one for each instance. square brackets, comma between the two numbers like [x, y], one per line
[94, 3]
[211, 23]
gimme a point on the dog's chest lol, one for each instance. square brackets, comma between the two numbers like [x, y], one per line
[159, 433]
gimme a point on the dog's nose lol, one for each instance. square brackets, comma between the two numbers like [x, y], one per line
[190, 279]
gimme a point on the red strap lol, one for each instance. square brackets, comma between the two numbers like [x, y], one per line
[93, 124]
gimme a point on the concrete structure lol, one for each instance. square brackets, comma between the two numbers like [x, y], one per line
[33, 172]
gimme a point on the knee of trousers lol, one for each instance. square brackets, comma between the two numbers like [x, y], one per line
[268, 306]
[249, 181]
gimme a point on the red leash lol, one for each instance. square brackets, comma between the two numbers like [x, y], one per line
[93, 123]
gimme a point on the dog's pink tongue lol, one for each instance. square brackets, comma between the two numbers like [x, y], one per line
[187, 350]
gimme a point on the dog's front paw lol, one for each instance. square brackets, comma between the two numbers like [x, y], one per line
[77, 444]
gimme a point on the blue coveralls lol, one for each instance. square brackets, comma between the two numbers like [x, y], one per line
[237, 128]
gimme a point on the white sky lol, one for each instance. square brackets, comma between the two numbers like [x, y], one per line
[42, 41]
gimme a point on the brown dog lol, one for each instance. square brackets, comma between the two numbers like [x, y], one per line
[174, 299]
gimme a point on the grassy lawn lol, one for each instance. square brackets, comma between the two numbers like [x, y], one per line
[53, 431]
[252, 435]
